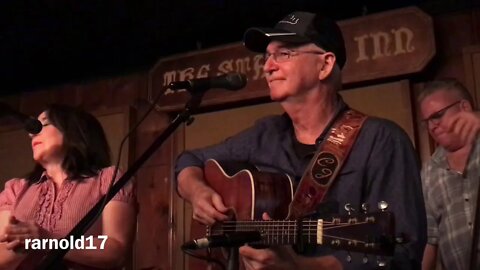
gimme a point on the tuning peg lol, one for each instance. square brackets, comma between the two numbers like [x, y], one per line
[382, 205]
[401, 239]
[381, 262]
[348, 207]
[335, 242]
[349, 257]
[365, 207]
[365, 259]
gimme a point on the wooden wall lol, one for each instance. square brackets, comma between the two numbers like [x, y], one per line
[157, 246]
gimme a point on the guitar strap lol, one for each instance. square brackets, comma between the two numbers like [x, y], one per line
[326, 163]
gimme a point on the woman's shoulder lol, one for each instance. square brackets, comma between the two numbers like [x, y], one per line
[15, 184]
[110, 170]
[13, 188]
[112, 173]
[107, 174]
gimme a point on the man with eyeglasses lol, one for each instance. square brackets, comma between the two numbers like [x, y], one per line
[304, 56]
[450, 178]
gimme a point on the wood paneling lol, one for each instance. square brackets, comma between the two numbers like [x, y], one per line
[178, 230]
[391, 101]
[453, 33]
[471, 58]
[155, 221]
[148, 131]
[64, 94]
[15, 154]
[210, 128]
[33, 103]
[128, 89]
[152, 242]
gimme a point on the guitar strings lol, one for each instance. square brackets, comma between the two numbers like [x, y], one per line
[279, 231]
[234, 226]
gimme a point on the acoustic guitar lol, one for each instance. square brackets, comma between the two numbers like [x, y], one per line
[248, 193]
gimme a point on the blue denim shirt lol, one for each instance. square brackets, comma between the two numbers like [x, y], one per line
[382, 166]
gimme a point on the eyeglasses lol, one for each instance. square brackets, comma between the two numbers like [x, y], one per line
[285, 55]
[436, 117]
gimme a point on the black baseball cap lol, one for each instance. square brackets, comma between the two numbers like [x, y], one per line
[300, 27]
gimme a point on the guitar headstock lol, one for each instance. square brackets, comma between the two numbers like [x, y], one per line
[369, 233]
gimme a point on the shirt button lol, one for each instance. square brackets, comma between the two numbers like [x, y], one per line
[470, 224]
[466, 199]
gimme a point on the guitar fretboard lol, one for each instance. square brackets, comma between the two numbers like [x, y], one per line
[360, 233]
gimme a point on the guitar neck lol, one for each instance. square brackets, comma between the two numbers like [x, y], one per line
[285, 232]
[367, 233]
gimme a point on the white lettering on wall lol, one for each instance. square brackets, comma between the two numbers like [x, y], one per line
[362, 52]
[251, 66]
[382, 43]
[225, 66]
[184, 74]
[258, 67]
[403, 40]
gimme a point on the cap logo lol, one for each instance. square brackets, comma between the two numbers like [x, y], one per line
[290, 19]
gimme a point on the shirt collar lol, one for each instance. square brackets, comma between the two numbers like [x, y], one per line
[439, 157]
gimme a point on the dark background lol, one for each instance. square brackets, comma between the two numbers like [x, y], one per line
[49, 42]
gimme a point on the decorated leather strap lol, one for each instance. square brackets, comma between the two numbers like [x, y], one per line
[326, 164]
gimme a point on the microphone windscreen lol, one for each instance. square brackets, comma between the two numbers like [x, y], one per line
[33, 126]
[235, 81]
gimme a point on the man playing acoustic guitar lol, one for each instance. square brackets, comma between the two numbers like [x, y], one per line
[304, 55]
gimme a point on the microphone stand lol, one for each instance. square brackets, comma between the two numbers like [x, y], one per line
[53, 258]
[233, 262]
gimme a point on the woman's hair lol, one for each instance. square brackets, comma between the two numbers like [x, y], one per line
[84, 143]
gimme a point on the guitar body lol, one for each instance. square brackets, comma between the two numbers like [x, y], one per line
[248, 193]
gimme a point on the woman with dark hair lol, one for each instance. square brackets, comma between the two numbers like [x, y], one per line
[72, 173]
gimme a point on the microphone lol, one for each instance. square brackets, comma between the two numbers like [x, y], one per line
[234, 239]
[230, 81]
[30, 124]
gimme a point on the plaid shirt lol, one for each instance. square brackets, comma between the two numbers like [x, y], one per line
[450, 199]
